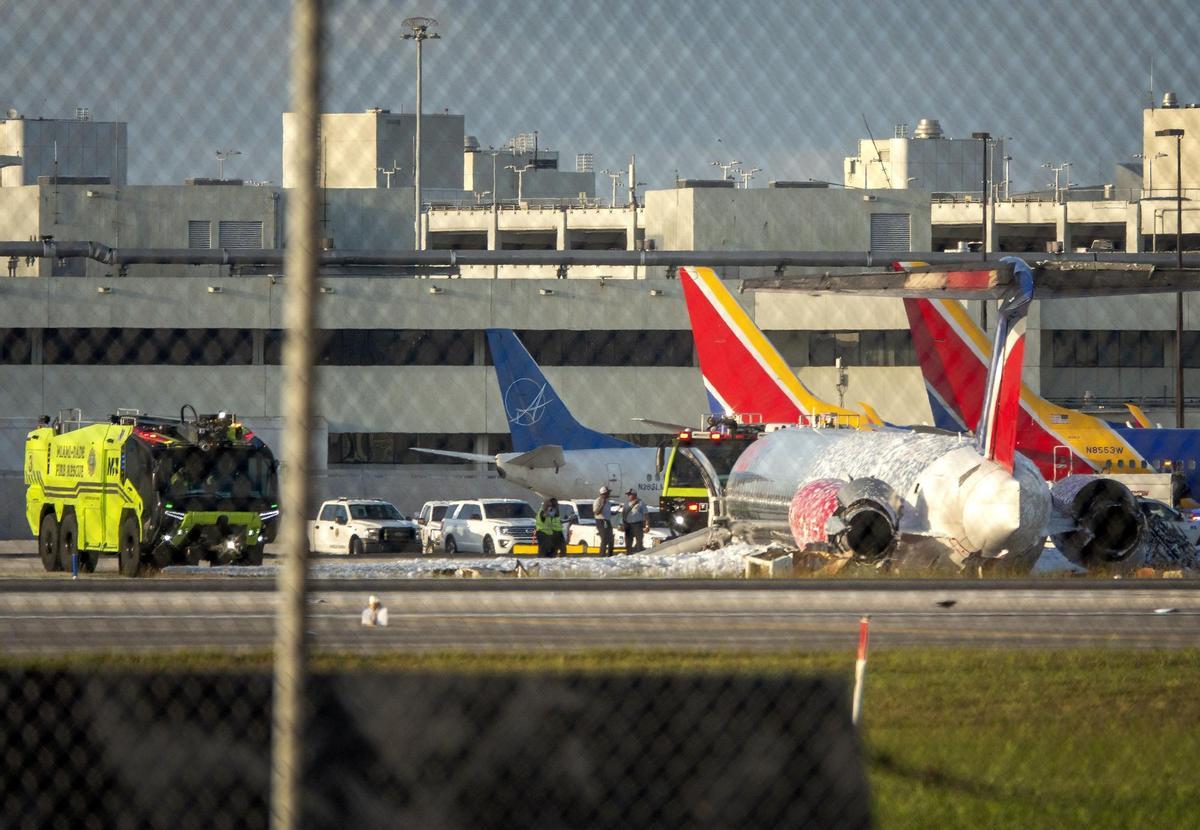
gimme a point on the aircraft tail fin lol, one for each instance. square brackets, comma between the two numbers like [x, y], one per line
[743, 373]
[1139, 417]
[872, 416]
[536, 414]
[997, 432]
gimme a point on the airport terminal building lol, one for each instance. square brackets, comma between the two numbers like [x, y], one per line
[402, 355]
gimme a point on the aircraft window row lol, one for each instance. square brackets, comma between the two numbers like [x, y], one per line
[1163, 465]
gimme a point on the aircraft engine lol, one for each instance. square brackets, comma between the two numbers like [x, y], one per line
[859, 518]
[1108, 523]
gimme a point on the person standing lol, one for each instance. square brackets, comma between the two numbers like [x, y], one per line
[604, 528]
[636, 520]
[549, 528]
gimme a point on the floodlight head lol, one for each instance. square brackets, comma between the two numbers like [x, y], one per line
[420, 27]
[1174, 132]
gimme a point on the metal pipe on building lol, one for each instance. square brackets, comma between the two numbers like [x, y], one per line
[291, 648]
[99, 252]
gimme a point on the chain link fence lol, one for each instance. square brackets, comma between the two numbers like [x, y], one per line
[278, 296]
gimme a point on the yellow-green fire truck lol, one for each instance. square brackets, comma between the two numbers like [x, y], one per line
[695, 468]
[155, 491]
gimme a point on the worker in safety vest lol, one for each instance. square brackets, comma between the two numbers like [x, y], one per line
[549, 527]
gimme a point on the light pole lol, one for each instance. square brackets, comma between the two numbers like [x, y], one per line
[495, 186]
[747, 175]
[725, 168]
[420, 27]
[1007, 161]
[1177, 134]
[1064, 167]
[222, 157]
[520, 171]
[615, 176]
[983, 139]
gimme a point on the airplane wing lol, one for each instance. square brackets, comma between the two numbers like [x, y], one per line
[474, 457]
[667, 425]
[993, 280]
[547, 455]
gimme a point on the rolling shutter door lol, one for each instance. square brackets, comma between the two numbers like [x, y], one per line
[239, 234]
[889, 233]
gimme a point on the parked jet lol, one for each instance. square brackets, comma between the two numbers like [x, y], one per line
[555, 455]
[954, 354]
[743, 373]
[920, 499]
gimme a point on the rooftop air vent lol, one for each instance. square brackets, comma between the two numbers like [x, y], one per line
[928, 128]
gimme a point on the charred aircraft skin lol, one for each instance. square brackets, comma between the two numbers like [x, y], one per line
[954, 507]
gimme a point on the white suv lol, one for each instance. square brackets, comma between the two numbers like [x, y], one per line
[429, 520]
[488, 526]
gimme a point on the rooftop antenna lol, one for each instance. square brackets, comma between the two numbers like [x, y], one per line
[878, 157]
[1152, 82]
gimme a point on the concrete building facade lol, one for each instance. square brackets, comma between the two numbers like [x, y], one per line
[79, 148]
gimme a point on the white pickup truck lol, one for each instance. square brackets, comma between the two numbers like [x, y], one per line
[358, 526]
[487, 526]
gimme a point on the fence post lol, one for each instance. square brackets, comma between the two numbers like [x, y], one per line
[301, 272]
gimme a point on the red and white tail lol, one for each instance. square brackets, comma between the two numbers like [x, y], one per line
[1002, 404]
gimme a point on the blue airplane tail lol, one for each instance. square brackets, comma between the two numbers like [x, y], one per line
[536, 414]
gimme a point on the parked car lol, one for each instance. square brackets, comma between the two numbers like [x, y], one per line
[579, 524]
[358, 526]
[1187, 524]
[488, 526]
[429, 522]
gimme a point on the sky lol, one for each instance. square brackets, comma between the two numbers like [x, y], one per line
[783, 86]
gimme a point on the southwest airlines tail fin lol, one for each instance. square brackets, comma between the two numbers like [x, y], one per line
[742, 371]
[536, 415]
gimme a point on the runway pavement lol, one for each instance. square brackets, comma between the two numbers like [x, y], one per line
[55, 615]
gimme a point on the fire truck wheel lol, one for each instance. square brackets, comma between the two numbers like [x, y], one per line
[48, 542]
[68, 541]
[129, 550]
[254, 555]
[88, 559]
[162, 556]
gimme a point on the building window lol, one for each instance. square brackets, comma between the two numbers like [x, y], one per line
[199, 233]
[237, 233]
[397, 447]
[147, 347]
[16, 347]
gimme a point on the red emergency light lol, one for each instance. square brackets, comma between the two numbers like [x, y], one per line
[694, 507]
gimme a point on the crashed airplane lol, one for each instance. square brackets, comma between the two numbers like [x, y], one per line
[948, 502]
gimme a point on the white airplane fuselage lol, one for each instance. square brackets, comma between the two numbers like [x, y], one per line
[583, 472]
[948, 493]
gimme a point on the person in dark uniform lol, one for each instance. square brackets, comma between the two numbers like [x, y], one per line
[604, 528]
[636, 520]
